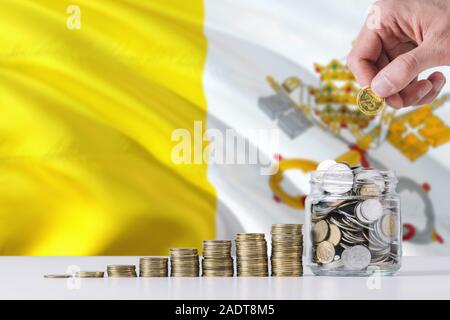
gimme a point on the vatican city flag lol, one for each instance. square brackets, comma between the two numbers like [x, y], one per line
[90, 94]
[105, 106]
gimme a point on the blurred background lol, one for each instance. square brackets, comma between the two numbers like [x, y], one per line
[91, 93]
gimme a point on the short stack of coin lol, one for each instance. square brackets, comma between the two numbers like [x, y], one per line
[89, 274]
[184, 262]
[251, 252]
[287, 250]
[217, 260]
[121, 271]
[153, 267]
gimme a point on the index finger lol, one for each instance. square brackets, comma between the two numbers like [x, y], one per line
[364, 56]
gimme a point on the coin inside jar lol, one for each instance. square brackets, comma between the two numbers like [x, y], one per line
[369, 210]
[357, 258]
[325, 165]
[320, 231]
[334, 235]
[370, 177]
[359, 221]
[389, 225]
[338, 179]
[369, 190]
[325, 252]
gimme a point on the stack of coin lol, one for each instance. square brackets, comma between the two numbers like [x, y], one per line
[121, 271]
[354, 225]
[251, 252]
[89, 274]
[184, 262]
[287, 250]
[57, 276]
[153, 267]
[217, 260]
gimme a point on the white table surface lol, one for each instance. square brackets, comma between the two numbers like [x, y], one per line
[22, 278]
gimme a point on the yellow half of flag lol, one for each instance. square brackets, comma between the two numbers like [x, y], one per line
[90, 93]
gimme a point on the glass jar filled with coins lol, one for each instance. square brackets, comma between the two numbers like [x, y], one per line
[353, 222]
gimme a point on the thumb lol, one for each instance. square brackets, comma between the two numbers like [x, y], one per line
[401, 71]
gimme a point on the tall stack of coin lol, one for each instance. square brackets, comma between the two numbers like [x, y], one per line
[251, 252]
[121, 271]
[184, 262]
[287, 250]
[217, 260]
[153, 267]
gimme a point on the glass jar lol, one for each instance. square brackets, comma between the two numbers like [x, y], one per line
[353, 222]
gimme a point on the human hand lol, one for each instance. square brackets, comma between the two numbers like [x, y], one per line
[412, 36]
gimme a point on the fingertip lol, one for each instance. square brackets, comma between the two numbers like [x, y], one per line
[363, 57]
[438, 80]
[395, 101]
[426, 100]
[424, 89]
[414, 93]
[382, 86]
[437, 75]
[443, 83]
[363, 70]
[399, 73]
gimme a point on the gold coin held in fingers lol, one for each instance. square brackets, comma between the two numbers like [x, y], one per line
[368, 102]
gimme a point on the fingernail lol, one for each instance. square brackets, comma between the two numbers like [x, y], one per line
[382, 86]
